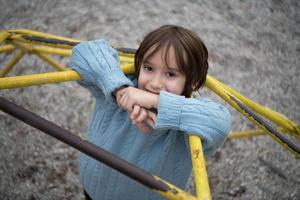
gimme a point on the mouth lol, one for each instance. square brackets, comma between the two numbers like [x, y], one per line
[157, 93]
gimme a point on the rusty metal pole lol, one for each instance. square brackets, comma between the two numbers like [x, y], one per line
[86, 147]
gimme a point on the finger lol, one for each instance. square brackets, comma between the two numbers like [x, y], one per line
[135, 112]
[150, 122]
[118, 97]
[121, 102]
[141, 117]
[121, 91]
[152, 116]
[125, 104]
[121, 99]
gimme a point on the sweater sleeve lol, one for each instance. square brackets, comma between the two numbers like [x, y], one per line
[202, 117]
[98, 64]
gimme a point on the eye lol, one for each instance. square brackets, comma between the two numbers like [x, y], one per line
[147, 68]
[171, 74]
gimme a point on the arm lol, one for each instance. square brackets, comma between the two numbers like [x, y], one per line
[209, 120]
[97, 63]
[128, 97]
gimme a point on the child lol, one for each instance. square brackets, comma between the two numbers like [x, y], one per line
[145, 118]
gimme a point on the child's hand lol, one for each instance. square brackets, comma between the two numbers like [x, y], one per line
[140, 114]
[135, 101]
[142, 118]
[129, 96]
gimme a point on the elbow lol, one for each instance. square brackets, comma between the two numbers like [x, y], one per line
[213, 126]
[222, 121]
[221, 132]
[227, 122]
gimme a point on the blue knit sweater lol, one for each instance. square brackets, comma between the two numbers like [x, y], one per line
[163, 152]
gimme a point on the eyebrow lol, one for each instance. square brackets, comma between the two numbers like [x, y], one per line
[170, 68]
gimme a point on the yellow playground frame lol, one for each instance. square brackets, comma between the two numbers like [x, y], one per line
[24, 41]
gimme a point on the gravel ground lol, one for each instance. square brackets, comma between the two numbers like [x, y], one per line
[254, 48]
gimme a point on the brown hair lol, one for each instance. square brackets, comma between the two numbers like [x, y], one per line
[191, 53]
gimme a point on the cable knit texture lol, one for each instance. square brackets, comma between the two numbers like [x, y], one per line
[162, 152]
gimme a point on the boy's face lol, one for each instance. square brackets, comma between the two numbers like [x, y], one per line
[155, 75]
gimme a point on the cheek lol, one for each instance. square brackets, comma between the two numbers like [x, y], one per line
[176, 87]
[140, 84]
[141, 81]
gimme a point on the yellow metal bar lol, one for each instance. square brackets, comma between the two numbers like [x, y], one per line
[273, 116]
[39, 49]
[38, 79]
[129, 55]
[19, 38]
[16, 33]
[12, 63]
[126, 59]
[53, 50]
[225, 95]
[7, 48]
[45, 78]
[128, 68]
[40, 34]
[250, 133]
[61, 49]
[174, 193]
[199, 168]
[4, 35]
[27, 47]
[51, 61]
[68, 52]
[30, 48]
[43, 49]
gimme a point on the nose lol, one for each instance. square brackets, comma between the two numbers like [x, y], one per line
[156, 83]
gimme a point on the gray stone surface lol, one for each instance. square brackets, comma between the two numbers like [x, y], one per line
[254, 48]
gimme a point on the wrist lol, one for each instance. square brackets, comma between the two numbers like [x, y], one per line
[115, 92]
[155, 100]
